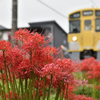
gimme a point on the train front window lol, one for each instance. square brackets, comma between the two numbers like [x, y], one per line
[97, 22]
[74, 26]
[97, 12]
[87, 25]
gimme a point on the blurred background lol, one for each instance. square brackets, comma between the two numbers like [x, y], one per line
[49, 17]
[42, 10]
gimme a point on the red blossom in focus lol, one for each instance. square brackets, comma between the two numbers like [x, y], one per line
[61, 71]
[24, 68]
[34, 41]
[20, 61]
[4, 45]
[22, 34]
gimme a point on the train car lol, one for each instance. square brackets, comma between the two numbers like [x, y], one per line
[84, 33]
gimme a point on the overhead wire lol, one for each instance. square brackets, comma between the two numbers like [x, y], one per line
[52, 9]
[58, 11]
[94, 3]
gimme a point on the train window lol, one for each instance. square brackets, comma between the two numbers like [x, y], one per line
[97, 12]
[74, 26]
[87, 13]
[75, 15]
[97, 22]
[87, 25]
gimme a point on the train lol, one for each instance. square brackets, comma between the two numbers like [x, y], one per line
[84, 33]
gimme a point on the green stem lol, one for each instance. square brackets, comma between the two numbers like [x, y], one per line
[15, 84]
[25, 86]
[3, 85]
[30, 57]
[21, 88]
[11, 84]
[18, 92]
[16, 87]
[94, 90]
[34, 86]
[1, 91]
[59, 90]
[66, 97]
[31, 83]
[36, 96]
[61, 98]
[6, 75]
[48, 97]
[25, 82]
[44, 89]
[83, 90]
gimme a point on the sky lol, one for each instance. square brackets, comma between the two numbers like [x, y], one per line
[33, 11]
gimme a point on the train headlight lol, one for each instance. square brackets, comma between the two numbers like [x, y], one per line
[74, 38]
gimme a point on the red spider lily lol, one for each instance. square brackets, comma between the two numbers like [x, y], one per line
[61, 71]
[22, 35]
[34, 42]
[4, 45]
[41, 57]
[82, 83]
[13, 58]
[82, 97]
[12, 97]
[92, 66]
[64, 65]
[97, 87]
[94, 72]
[68, 93]
[36, 65]
[24, 68]
[86, 63]
[1, 60]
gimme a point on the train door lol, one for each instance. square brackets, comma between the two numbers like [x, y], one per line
[88, 34]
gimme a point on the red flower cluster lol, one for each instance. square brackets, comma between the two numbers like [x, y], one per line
[12, 97]
[92, 67]
[82, 97]
[94, 72]
[97, 87]
[4, 45]
[34, 62]
[61, 70]
[86, 63]
[68, 94]
[82, 83]
[33, 56]
[62, 73]
[22, 35]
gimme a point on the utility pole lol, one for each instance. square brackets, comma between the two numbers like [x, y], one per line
[14, 19]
